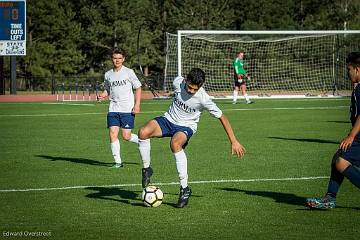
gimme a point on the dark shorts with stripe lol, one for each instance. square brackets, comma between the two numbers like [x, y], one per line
[169, 129]
[122, 120]
[353, 153]
[236, 81]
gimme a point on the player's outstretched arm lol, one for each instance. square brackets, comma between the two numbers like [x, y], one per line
[136, 108]
[348, 140]
[236, 147]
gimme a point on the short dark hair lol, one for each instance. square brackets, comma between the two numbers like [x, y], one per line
[118, 51]
[196, 76]
[353, 59]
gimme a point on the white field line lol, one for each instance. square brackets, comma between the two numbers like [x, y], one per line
[70, 104]
[164, 184]
[147, 112]
[49, 114]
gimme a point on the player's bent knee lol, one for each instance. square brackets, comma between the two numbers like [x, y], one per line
[341, 164]
[175, 146]
[336, 156]
[144, 133]
[113, 137]
[126, 137]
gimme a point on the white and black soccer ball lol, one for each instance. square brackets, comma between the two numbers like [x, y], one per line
[152, 196]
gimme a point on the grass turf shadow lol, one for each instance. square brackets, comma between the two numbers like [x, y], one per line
[279, 197]
[81, 160]
[124, 196]
[287, 198]
[306, 140]
[115, 194]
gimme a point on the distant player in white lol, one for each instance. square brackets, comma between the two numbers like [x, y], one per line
[119, 84]
[180, 123]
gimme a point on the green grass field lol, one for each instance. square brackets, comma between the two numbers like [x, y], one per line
[56, 177]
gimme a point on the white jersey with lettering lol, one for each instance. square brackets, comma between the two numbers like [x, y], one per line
[186, 109]
[119, 86]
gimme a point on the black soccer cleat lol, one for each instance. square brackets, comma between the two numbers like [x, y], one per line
[184, 196]
[146, 174]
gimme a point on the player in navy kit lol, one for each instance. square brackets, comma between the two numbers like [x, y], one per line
[119, 84]
[347, 158]
[180, 123]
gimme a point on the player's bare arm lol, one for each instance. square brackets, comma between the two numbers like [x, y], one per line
[103, 95]
[348, 140]
[136, 108]
[236, 147]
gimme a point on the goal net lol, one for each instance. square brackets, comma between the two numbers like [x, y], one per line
[295, 63]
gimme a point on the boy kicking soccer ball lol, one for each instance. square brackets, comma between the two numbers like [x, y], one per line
[180, 123]
[348, 155]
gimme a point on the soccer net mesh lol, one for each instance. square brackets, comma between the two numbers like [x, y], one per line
[279, 64]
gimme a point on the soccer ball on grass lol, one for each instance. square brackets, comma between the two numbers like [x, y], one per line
[152, 196]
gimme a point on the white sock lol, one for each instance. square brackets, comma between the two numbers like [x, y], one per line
[134, 138]
[181, 167]
[235, 94]
[115, 149]
[246, 97]
[144, 148]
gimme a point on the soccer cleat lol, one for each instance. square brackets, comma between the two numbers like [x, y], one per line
[146, 174]
[249, 102]
[234, 102]
[118, 165]
[184, 196]
[321, 203]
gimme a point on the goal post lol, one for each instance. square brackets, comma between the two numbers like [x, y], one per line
[295, 63]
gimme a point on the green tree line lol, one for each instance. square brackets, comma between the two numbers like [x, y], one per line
[74, 37]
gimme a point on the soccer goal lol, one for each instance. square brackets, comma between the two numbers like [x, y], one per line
[280, 63]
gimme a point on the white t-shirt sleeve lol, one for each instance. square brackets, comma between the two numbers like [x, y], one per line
[177, 81]
[134, 79]
[210, 106]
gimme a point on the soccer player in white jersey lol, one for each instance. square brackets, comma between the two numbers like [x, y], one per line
[180, 123]
[119, 84]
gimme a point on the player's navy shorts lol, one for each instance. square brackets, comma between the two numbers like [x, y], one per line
[169, 129]
[122, 120]
[353, 153]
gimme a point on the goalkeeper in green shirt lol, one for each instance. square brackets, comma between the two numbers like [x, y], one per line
[240, 77]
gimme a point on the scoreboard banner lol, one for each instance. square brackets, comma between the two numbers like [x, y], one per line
[12, 28]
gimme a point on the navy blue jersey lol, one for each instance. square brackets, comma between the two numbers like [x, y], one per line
[353, 153]
[355, 104]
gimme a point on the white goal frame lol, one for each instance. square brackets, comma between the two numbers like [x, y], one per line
[181, 33]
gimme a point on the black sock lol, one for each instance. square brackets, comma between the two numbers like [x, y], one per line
[335, 181]
[353, 174]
